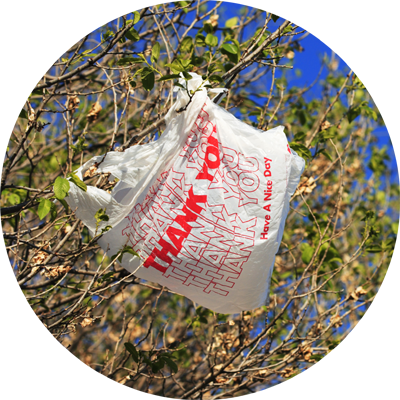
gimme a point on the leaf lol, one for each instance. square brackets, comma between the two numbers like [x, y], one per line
[77, 181]
[302, 150]
[306, 252]
[203, 319]
[353, 113]
[369, 112]
[230, 48]
[369, 214]
[176, 66]
[136, 17]
[396, 228]
[132, 350]
[183, 4]
[65, 204]
[325, 153]
[148, 78]
[106, 229]
[388, 244]
[126, 249]
[231, 51]
[171, 364]
[155, 52]
[13, 198]
[53, 211]
[215, 78]
[157, 365]
[287, 29]
[44, 207]
[107, 277]
[79, 146]
[274, 17]
[211, 40]
[208, 28]
[107, 35]
[187, 44]
[186, 75]
[375, 248]
[101, 215]
[23, 114]
[61, 188]
[168, 77]
[200, 40]
[230, 23]
[132, 35]
[130, 250]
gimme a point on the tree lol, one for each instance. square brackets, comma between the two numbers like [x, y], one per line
[338, 239]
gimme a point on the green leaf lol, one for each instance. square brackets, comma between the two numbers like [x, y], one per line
[183, 4]
[77, 181]
[132, 350]
[353, 113]
[230, 48]
[231, 51]
[176, 67]
[208, 28]
[101, 215]
[148, 78]
[126, 249]
[369, 112]
[157, 365]
[169, 77]
[215, 78]
[230, 23]
[187, 44]
[203, 319]
[79, 146]
[155, 52]
[61, 188]
[186, 75]
[211, 40]
[132, 35]
[23, 114]
[288, 29]
[136, 17]
[129, 60]
[107, 277]
[369, 214]
[327, 155]
[12, 198]
[302, 150]
[388, 244]
[396, 228]
[274, 17]
[306, 252]
[65, 204]
[200, 40]
[171, 364]
[375, 248]
[44, 207]
[108, 34]
[106, 229]
[53, 211]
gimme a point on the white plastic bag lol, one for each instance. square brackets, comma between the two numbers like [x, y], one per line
[204, 206]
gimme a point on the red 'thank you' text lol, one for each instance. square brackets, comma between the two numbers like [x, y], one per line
[191, 210]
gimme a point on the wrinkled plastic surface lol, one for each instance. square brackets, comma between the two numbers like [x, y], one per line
[204, 206]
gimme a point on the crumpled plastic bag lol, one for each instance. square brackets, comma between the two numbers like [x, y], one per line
[204, 205]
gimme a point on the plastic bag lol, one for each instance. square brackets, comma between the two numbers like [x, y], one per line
[204, 206]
